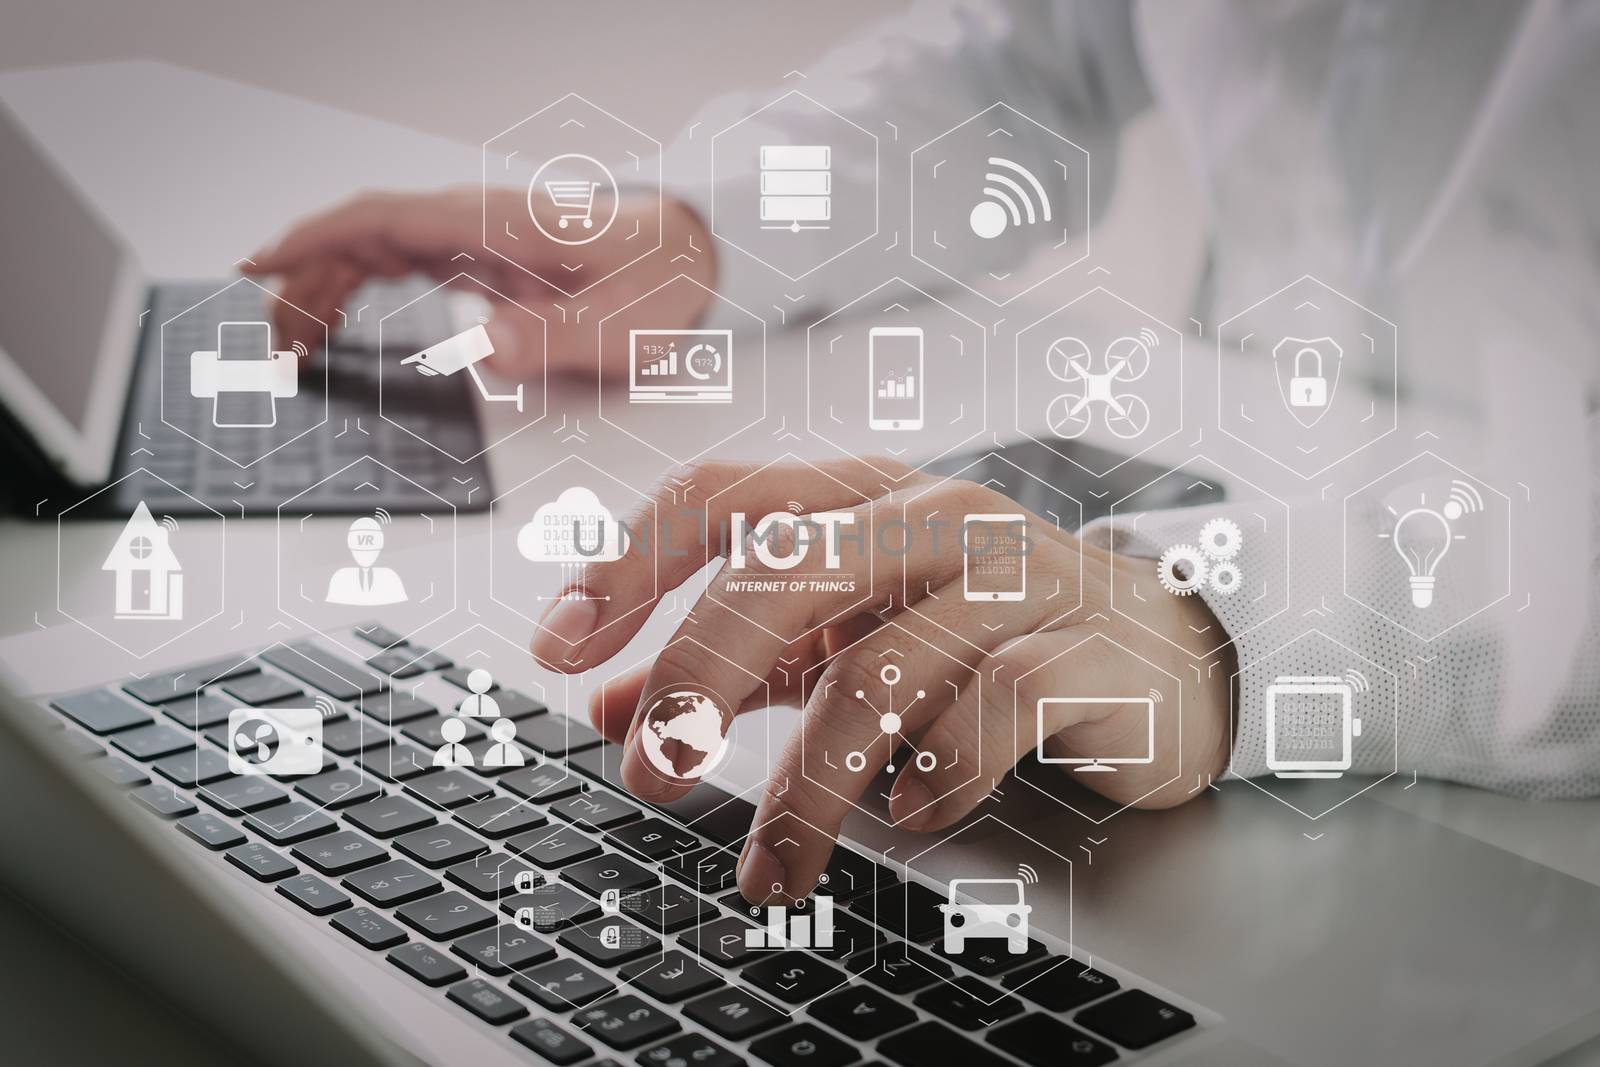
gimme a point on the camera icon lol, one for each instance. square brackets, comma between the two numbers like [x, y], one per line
[275, 741]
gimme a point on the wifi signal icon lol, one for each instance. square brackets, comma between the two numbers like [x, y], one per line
[382, 515]
[794, 507]
[1012, 196]
[1026, 874]
[1464, 500]
[300, 349]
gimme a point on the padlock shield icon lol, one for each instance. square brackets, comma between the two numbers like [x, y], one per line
[1308, 374]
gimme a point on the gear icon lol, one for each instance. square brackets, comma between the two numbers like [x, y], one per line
[1182, 569]
[1221, 538]
[1225, 578]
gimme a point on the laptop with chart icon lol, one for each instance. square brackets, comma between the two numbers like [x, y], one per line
[680, 366]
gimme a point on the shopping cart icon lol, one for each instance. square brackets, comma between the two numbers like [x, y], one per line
[575, 200]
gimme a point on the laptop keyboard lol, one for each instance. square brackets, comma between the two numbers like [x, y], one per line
[444, 415]
[428, 869]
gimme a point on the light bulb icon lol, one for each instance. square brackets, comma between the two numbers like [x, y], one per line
[1423, 535]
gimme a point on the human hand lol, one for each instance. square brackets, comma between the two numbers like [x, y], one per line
[1003, 643]
[323, 259]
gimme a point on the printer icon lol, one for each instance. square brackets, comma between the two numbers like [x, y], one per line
[244, 362]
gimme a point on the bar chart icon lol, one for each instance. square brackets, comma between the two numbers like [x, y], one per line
[796, 187]
[787, 928]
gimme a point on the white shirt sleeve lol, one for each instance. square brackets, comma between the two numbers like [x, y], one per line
[1072, 67]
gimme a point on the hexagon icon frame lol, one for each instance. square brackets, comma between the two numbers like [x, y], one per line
[544, 366]
[653, 151]
[1242, 437]
[864, 590]
[1233, 718]
[912, 602]
[876, 206]
[1088, 203]
[654, 548]
[1120, 448]
[161, 368]
[602, 392]
[816, 671]
[1189, 469]
[1067, 957]
[277, 542]
[1344, 553]
[982, 335]
[1177, 688]
[222, 582]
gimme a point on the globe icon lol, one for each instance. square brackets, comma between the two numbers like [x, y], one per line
[682, 734]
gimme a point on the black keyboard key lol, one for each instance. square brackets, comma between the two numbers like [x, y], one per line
[246, 793]
[350, 737]
[543, 784]
[653, 839]
[121, 772]
[688, 1048]
[710, 869]
[79, 745]
[288, 823]
[899, 969]
[447, 789]
[992, 955]
[504, 949]
[625, 1022]
[426, 964]
[489, 876]
[595, 811]
[440, 846]
[378, 634]
[562, 985]
[672, 977]
[968, 1003]
[152, 742]
[500, 817]
[339, 853]
[390, 883]
[261, 688]
[393, 707]
[446, 916]
[210, 831]
[556, 735]
[262, 863]
[1041, 1041]
[174, 685]
[861, 1013]
[163, 801]
[711, 812]
[518, 706]
[551, 1041]
[850, 874]
[907, 908]
[369, 928]
[339, 678]
[1134, 1019]
[609, 942]
[734, 1013]
[200, 766]
[390, 815]
[486, 1001]
[667, 908]
[100, 711]
[313, 894]
[338, 788]
[1060, 983]
[608, 871]
[551, 907]
[396, 663]
[720, 941]
[199, 712]
[548, 848]
[804, 1045]
[395, 762]
[793, 977]
[931, 1042]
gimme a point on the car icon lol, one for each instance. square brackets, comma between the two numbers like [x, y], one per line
[998, 910]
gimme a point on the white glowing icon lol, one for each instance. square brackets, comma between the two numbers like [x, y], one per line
[1422, 536]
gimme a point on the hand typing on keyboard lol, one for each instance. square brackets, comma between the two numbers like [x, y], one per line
[324, 259]
[1045, 669]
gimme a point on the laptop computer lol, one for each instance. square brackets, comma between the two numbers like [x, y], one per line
[103, 373]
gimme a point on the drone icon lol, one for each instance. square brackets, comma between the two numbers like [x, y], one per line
[1070, 361]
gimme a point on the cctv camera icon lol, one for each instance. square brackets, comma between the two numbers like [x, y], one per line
[464, 350]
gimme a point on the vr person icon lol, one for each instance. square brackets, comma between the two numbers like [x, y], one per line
[365, 584]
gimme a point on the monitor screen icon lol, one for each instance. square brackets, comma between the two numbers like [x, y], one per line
[680, 366]
[1144, 707]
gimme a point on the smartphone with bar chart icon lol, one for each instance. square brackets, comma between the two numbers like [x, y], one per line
[793, 928]
[895, 385]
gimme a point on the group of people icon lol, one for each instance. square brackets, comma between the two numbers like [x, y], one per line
[478, 704]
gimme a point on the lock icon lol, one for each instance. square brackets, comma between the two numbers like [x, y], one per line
[1308, 390]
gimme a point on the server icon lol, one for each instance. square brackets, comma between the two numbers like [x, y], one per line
[796, 187]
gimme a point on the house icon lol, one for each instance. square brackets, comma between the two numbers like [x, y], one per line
[149, 577]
